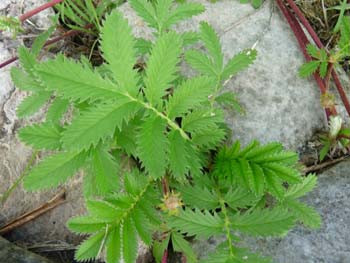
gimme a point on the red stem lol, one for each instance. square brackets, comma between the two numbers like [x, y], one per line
[7, 62]
[318, 42]
[165, 257]
[305, 23]
[303, 41]
[341, 91]
[39, 9]
[165, 186]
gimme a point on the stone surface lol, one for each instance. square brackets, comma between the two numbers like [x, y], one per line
[329, 244]
[10, 253]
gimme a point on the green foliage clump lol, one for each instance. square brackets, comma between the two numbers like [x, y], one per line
[85, 15]
[255, 3]
[322, 60]
[323, 63]
[10, 24]
[171, 126]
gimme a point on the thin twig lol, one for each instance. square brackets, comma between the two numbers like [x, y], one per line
[57, 200]
[324, 10]
[317, 167]
[48, 247]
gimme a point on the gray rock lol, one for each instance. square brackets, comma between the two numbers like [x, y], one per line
[329, 244]
[10, 253]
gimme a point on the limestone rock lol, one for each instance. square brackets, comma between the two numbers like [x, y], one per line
[10, 253]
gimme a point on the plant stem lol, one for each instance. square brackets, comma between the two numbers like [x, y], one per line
[305, 23]
[39, 9]
[328, 76]
[6, 195]
[8, 62]
[165, 256]
[341, 91]
[165, 186]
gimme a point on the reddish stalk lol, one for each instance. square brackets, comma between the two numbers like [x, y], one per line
[341, 91]
[39, 9]
[303, 41]
[165, 256]
[318, 42]
[7, 62]
[328, 76]
[305, 23]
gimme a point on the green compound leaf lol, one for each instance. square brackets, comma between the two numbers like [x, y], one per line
[182, 245]
[129, 241]
[103, 210]
[190, 95]
[303, 213]
[90, 248]
[54, 170]
[178, 155]
[97, 124]
[152, 146]
[145, 10]
[277, 221]
[212, 44]
[183, 11]
[238, 63]
[24, 81]
[201, 62]
[308, 68]
[114, 246]
[117, 45]
[102, 177]
[33, 103]
[162, 66]
[42, 136]
[57, 109]
[203, 224]
[60, 75]
[85, 224]
[299, 190]
[258, 168]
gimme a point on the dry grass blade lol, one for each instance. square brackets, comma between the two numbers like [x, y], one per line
[57, 200]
